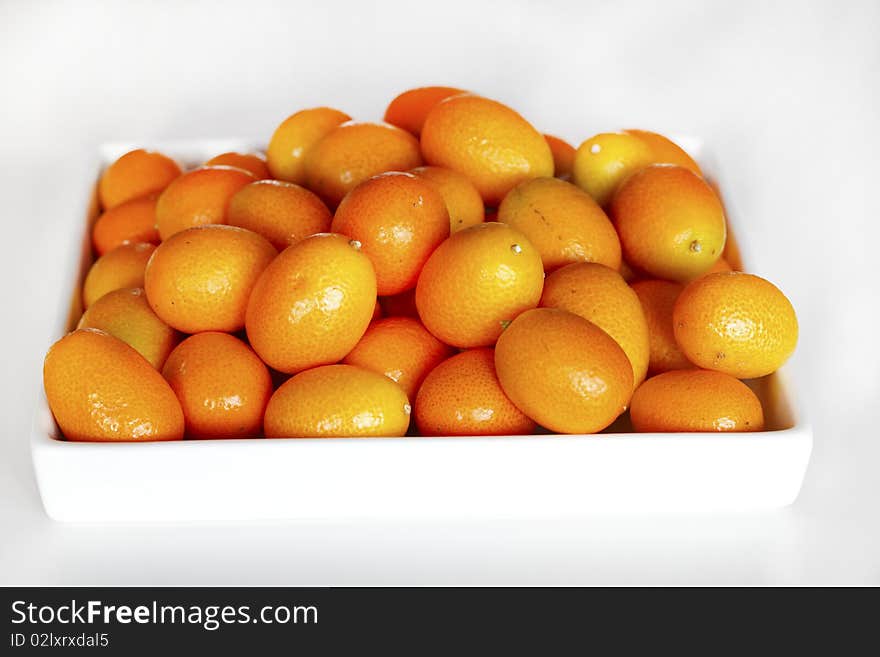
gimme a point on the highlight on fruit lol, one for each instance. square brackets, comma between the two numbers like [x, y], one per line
[451, 270]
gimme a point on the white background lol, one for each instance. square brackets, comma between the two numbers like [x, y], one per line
[786, 94]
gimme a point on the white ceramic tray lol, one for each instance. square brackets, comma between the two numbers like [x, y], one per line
[412, 477]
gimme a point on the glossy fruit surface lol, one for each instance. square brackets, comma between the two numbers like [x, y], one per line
[562, 221]
[125, 314]
[409, 110]
[604, 161]
[670, 221]
[201, 278]
[294, 139]
[695, 400]
[600, 295]
[658, 299]
[451, 263]
[563, 157]
[120, 267]
[135, 174]
[222, 385]
[563, 371]
[282, 212]
[463, 202]
[312, 305]
[488, 142]
[130, 222]
[337, 401]
[398, 219]
[198, 197]
[666, 151]
[462, 397]
[100, 389]
[255, 163]
[736, 323]
[353, 152]
[401, 349]
[476, 282]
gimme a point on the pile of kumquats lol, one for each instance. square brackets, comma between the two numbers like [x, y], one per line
[449, 271]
